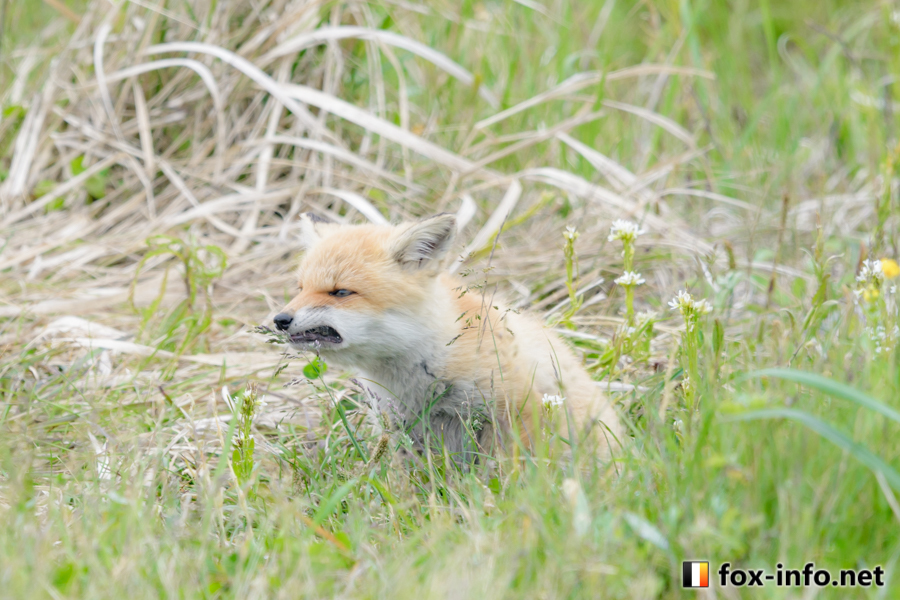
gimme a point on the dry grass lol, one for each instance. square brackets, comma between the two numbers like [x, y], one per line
[223, 141]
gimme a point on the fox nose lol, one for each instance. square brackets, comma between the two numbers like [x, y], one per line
[283, 321]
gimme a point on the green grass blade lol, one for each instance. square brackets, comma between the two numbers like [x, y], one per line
[830, 387]
[329, 506]
[836, 437]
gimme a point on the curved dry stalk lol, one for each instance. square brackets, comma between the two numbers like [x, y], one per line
[579, 81]
[251, 71]
[208, 79]
[363, 206]
[313, 38]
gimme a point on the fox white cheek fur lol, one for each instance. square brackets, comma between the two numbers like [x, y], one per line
[361, 336]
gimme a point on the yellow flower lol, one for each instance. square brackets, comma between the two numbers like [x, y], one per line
[870, 293]
[890, 267]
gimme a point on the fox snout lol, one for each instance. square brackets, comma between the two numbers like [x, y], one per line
[283, 321]
[308, 328]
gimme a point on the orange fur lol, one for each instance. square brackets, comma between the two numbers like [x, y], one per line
[409, 327]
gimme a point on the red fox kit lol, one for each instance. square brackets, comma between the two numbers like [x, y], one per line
[453, 367]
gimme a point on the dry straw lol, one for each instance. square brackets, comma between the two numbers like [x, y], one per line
[219, 122]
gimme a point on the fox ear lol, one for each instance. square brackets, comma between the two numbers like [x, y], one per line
[425, 243]
[311, 229]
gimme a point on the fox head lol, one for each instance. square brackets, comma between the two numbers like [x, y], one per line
[366, 291]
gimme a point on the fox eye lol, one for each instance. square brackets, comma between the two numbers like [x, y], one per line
[340, 293]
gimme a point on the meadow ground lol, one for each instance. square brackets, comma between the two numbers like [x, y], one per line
[154, 157]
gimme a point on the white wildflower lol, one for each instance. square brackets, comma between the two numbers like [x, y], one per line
[624, 230]
[229, 401]
[570, 233]
[883, 339]
[686, 304]
[624, 330]
[551, 401]
[570, 489]
[681, 300]
[630, 278]
[871, 270]
[703, 307]
[646, 316]
[690, 309]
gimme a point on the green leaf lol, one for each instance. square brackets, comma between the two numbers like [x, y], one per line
[216, 263]
[44, 187]
[836, 437]
[14, 112]
[327, 507]
[718, 337]
[343, 538]
[64, 575]
[223, 463]
[798, 287]
[830, 387]
[56, 204]
[96, 184]
[385, 494]
[77, 165]
[315, 368]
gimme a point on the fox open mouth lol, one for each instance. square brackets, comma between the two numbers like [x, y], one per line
[318, 334]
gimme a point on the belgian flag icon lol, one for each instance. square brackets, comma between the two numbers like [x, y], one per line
[695, 574]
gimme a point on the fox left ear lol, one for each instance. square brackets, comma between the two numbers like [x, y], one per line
[424, 243]
[311, 226]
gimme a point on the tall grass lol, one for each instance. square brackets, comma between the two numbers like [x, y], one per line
[154, 158]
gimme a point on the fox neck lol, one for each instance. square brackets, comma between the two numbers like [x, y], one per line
[412, 372]
[407, 386]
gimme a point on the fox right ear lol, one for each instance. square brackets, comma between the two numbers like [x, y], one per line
[425, 243]
[310, 229]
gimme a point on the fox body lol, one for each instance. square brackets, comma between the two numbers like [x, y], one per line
[457, 369]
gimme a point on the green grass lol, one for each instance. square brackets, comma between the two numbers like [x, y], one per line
[111, 488]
